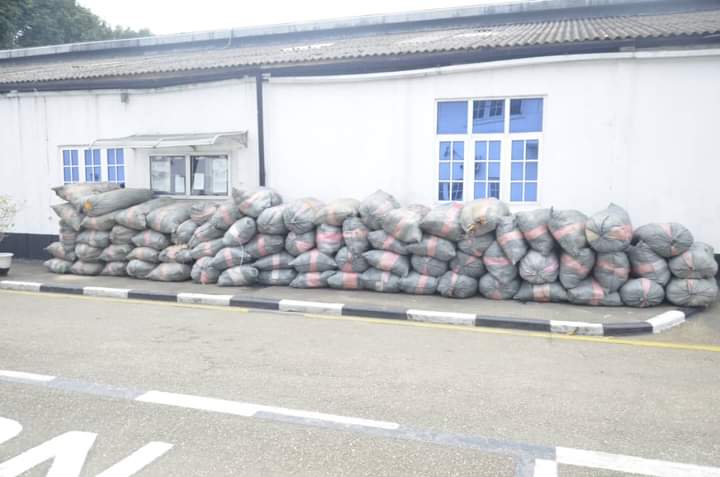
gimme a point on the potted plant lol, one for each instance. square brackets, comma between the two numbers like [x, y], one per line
[8, 209]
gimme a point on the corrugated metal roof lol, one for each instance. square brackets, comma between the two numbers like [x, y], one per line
[283, 51]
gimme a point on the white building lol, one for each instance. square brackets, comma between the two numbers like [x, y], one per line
[570, 104]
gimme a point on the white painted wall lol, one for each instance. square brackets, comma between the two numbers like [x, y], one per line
[637, 131]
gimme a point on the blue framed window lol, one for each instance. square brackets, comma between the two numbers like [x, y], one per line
[116, 166]
[487, 169]
[488, 116]
[71, 166]
[524, 170]
[452, 117]
[93, 167]
[451, 170]
[526, 115]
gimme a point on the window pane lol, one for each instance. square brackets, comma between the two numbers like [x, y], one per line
[66, 175]
[494, 150]
[111, 174]
[531, 191]
[111, 156]
[444, 191]
[516, 173]
[444, 173]
[517, 150]
[458, 153]
[516, 190]
[488, 116]
[494, 189]
[121, 174]
[96, 156]
[480, 190]
[457, 191]
[75, 174]
[494, 171]
[480, 171]
[445, 151]
[120, 156]
[167, 174]
[526, 115]
[452, 117]
[74, 156]
[531, 170]
[209, 175]
[457, 171]
[481, 151]
[531, 151]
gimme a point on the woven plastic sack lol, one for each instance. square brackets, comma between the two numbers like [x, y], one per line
[476, 244]
[77, 192]
[454, 285]
[206, 249]
[480, 217]
[335, 212]
[58, 250]
[254, 202]
[225, 215]
[469, 265]
[609, 230]
[116, 253]
[115, 269]
[146, 254]
[574, 269]
[549, 292]
[168, 218]
[202, 271]
[87, 253]
[67, 235]
[296, 244]
[201, 211]
[568, 229]
[645, 263]
[170, 272]
[240, 276]
[388, 261]
[697, 262]
[590, 292]
[345, 281]
[299, 215]
[432, 246]
[428, 265]
[642, 293]
[350, 262]
[313, 261]
[311, 280]
[69, 215]
[380, 281]
[537, 268]
[240, 232]
[491, 288]
[121, 235]
[101, 222]
[271, 221]
[328, 238]
[106, 202]
[95, 238]
[375, 207]
[403, 224]
[184, 232]
[229, 257]
[263, 245]
[534, 227]
[355, 235]
[87, 268]
[381, 240]
[152, 239]
[276, 261]
[58, 265]
[510, 238]
[279, 277]
[135, 217]
[205, 233]
[444, 221]
[692, 292]
[176, 254]
[417, 284]
[665, 239]
[612, 270]
[498, 264]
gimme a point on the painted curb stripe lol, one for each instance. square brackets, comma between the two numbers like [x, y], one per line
[666, 320]
[311, 307]
[150, 295]
[20, 286]
[204, 299]
[375, 312]
[466, 319]
[67, 289]
[507, 322]
[106, 292]
[261, 303]
[576, 328]
[631, 328]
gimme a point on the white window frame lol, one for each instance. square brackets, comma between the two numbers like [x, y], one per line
[188, 173]
[81, 163]
[104, 160]
[81, 148]
[505, 138]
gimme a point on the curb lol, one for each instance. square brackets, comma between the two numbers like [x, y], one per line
[656, 324]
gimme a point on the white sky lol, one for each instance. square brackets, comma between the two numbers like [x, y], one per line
[174, 16]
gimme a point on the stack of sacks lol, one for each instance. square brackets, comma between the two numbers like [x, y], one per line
[313, 266]
[341, 236]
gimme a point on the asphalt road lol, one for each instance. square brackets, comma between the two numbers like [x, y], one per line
[166, 389]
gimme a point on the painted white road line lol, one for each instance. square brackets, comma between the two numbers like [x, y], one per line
[545, 468]
[576, 328]
[310, 307]
[199, 402]
[106, 292]
[203, 299]
[446, 317]
[19, 286]
[138, 460]
[26, 376]
[667, 320]
[319, 416]
[68, 453]
[9, 429]
[632, 465]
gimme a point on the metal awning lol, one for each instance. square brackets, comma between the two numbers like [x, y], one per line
[158, 141]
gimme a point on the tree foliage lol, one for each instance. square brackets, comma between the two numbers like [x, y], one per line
[25, 23]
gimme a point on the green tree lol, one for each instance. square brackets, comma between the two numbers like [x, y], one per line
[25, 23]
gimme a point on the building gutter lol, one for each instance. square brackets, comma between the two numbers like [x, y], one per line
[260, 128]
